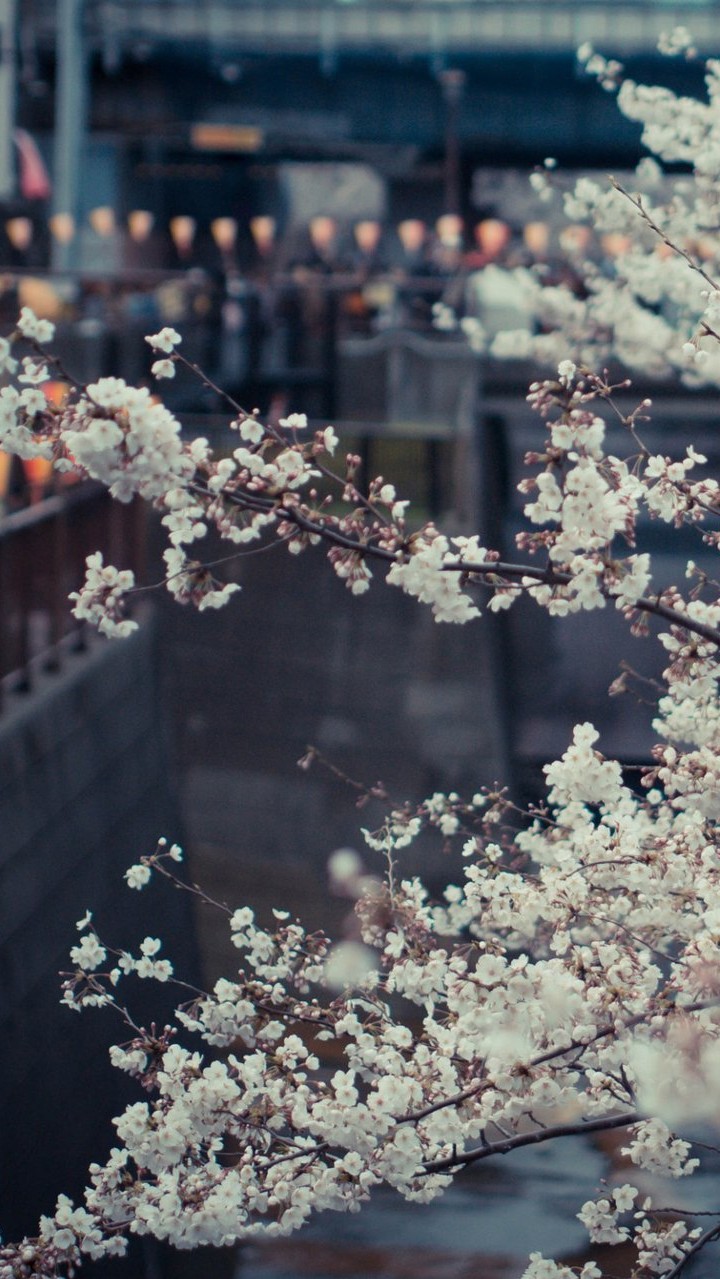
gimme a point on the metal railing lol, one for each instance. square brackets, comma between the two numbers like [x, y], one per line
[137, 6]
[415, 25]
[42, 559]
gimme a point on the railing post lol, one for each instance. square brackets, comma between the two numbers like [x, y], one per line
[21, 569]
[58, 597]
[332, 310]
[4, 619]
[42, 549]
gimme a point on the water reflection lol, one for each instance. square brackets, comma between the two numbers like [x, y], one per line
[484, 1227]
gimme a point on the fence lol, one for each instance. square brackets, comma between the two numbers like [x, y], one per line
[42, 555]
[256, 338]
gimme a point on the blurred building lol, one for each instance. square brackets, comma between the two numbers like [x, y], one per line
[290, 108]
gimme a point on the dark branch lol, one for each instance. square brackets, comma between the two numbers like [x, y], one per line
[532, 1139]
[486, 569]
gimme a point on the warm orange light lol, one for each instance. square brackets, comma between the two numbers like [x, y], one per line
[615, 244]
[706, 247]
[367, 235]
[412, 234]
[41, 296]
[102, 220]
[62, 227]
[20, 233]
[323, 230]
[492, 236]
[536, 237]
[182, 230]
[224, 233]
[663, 251]
[262, 230]
[140, 224]
[56, 393]
[39, 473]
[575, 238]
[226, 137]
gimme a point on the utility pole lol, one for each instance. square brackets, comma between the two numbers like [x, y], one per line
[71, 95]
[453, 86]
[8, 73]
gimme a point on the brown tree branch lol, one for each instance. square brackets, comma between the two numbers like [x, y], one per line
[486, 569]
[532, 1139]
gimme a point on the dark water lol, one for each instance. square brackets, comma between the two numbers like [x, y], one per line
[484, 1227]
[486, 1224]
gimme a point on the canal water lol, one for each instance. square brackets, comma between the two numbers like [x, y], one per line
[487, 1223]
[484, 1227]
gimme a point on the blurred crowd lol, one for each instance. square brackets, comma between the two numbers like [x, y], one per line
[261, 310]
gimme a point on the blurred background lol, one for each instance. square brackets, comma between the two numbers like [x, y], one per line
[295, 185]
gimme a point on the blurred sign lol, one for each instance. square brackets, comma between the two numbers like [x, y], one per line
[226, 137]
[341, 190]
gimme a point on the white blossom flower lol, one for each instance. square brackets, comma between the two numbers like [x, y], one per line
[89, 954]
[31, 327]
[166, 340]
[137, 876]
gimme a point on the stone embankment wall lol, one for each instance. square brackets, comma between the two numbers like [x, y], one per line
[84, 792]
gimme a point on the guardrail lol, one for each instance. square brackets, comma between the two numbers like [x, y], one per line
[42, 558]
[418, 26]
[259, 340]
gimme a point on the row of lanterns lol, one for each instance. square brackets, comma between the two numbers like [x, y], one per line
[491, 236]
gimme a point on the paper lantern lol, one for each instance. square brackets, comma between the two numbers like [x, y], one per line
[19, 233]
[140, 225]
[492, 236]
[615, 243]
[182, 230]
[367, 235]
[262, 230]
[323, 230]
[102, 221]
[412, 233]
[575, 238]
[536, 237]
[62, 227]
[224, 233]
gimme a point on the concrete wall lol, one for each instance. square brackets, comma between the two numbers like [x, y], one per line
[84, 792]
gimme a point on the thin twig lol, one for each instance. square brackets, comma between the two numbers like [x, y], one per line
[710, 1235]
[637, 203]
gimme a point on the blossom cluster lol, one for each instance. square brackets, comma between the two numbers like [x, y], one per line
[567, 983]
[573, 978]
[653, 301]
[274, 486]
[549, 988]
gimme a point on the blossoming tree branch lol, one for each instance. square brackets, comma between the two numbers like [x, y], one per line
[570, 984]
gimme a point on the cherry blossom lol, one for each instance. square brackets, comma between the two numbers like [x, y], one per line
[567, 983]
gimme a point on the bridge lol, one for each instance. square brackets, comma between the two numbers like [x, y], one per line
[404, 28]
